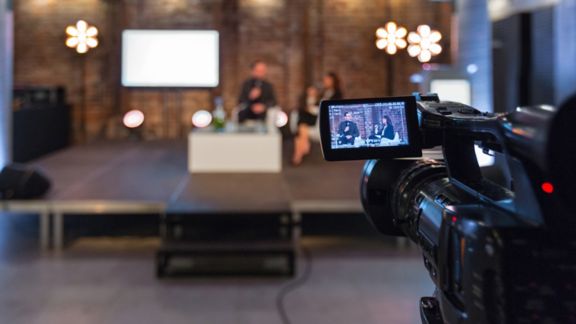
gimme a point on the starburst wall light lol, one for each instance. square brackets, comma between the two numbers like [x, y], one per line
[82, 37]
[424, 42]
[391, 38]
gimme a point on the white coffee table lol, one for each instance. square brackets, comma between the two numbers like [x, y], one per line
[234, 152]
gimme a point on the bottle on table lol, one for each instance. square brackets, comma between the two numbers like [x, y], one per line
[219, 115]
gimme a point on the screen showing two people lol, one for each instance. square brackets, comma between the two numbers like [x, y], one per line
[378, 124]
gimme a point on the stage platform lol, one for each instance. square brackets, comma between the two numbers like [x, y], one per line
[151, 178]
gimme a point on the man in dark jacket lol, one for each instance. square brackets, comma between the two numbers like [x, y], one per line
[257, 94]
[347, 130]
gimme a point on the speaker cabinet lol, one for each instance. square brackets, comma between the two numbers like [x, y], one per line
[21, 182]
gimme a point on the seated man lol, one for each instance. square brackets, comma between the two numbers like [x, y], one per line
[347, 130]
[257, 94]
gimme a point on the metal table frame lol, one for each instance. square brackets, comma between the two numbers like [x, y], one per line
[40, 207]
[97, 207]
[51, 213]
[45, 209]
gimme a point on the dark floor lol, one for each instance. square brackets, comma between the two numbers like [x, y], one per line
[353, 280]
[356, 276]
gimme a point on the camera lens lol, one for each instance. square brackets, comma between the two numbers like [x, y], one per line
[377, 187]
[389, 189]
[409, 194]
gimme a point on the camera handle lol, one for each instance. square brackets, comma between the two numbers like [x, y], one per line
[461, 161]
[464, 170]
[457, 128]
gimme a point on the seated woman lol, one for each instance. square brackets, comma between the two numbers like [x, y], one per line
[382, 131]
[386, 129]
[308, 113]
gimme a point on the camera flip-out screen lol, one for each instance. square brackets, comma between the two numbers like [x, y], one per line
[369, 128]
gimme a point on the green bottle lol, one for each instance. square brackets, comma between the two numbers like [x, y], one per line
[219, 115]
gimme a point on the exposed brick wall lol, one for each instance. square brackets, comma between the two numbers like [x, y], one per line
[300, 39]
[348, 42]
[42, 59]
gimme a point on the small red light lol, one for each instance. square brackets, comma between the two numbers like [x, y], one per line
[454, 219]
[547, 187]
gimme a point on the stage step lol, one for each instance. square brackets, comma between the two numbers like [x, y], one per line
[237, 253]
[241, 241]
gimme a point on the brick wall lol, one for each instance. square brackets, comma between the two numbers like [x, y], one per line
[348, 42]
[300, 39]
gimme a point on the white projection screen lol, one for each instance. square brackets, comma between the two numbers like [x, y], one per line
[170, 58]
[458, 90]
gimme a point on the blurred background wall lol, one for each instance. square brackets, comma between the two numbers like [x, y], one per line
[534, 52]
[533, 60]
[300, 39]
[565, 50]
[6, 48]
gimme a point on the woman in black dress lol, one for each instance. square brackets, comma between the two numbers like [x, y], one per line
[308, 113]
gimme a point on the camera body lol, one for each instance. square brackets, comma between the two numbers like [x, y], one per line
[497, 253]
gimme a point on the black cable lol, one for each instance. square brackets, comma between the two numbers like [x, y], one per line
[293, 285]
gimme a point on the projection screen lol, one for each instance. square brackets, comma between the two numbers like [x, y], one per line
[170, 58]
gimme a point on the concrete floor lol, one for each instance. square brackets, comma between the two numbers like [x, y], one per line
[352, 281]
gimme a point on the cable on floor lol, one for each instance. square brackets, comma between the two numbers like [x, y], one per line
[293, 285]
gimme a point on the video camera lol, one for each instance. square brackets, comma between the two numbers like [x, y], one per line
[497, 253]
